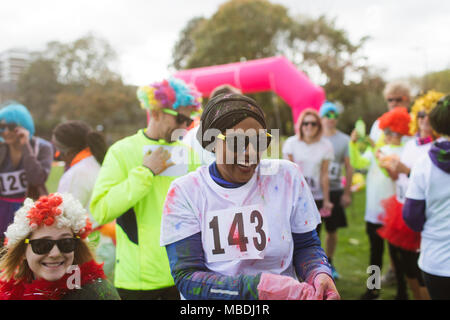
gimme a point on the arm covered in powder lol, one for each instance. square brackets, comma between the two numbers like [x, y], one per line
[195, 281]
[309, 257]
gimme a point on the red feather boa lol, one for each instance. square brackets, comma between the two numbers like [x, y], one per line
[49, 290]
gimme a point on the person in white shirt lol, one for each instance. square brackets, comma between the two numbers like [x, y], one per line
[312, 153]
[83, 150]
[427, 205]
[243, 228]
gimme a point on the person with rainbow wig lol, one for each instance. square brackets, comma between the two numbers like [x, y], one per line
[132, 185]
[25, 162]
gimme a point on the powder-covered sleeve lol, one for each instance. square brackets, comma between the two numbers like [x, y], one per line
[309, 257]
[195, 281]
[179, 218]
[305, 216]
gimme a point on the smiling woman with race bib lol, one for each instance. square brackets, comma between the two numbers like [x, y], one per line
[243, 228]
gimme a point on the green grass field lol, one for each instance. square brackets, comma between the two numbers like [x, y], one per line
[352, 253]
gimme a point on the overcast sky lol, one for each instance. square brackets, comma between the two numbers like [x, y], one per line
[408, 37]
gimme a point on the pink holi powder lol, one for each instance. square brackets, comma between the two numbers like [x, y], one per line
[169, 201]
[196, 183]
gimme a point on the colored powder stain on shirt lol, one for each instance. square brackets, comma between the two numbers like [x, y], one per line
[196, 183]
[282, 263]
[169, 201]
[240, 243]
[288, 180]
[177, 226]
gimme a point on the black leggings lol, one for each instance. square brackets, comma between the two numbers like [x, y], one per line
[405, 264]
[376, 244]
[438, 287]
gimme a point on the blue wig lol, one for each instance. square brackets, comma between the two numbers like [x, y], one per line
[14, 112]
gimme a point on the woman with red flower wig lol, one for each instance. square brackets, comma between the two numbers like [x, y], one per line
[380, 179]
[46, 257]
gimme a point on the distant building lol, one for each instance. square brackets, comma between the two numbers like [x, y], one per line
[12, 63]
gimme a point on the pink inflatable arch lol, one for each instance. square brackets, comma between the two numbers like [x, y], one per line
[277, 74]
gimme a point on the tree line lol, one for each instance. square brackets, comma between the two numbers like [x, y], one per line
[76, 80]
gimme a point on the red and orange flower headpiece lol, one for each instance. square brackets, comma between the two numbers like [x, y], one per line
[62, 209]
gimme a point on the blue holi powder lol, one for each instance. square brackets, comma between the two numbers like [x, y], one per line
[177, 226]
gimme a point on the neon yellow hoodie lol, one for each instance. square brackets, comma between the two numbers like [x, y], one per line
[127, 191]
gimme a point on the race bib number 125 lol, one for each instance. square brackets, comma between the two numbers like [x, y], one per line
[235, 233]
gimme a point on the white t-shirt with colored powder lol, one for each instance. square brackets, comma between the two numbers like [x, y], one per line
[309, 158]
[379, 185]
[245, 230]
[429, 183]
[410, 154]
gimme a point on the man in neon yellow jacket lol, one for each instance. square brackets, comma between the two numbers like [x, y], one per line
[132, 186]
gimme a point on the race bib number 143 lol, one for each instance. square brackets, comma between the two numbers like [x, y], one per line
[235, 233]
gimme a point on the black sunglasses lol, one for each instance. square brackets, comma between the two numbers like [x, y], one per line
[400, 99]
[44, 246]
[238, 143]
[180, 118]
[421, 114]
[10, 126]
[312, 123]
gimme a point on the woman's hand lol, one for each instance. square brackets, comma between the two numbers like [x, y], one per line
[278, 287]
[399, 167]
[326, 209]
[23, 135]
[325, 288]
[346, 199]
